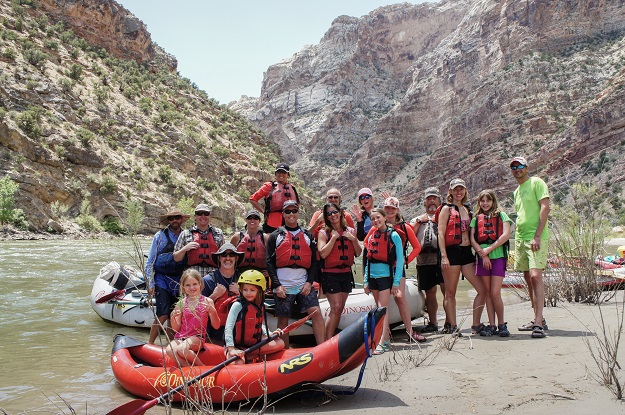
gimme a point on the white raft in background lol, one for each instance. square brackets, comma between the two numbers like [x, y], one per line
[132, 308]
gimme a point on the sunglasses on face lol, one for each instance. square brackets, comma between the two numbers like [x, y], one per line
[518, 167]
[333, 197]
[177, 217]
[291, 211]
[333, 212]
[253, 218]
[229, 255]
[363, 197]
[203, 213]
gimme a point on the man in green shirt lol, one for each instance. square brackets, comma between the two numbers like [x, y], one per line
[531, 202]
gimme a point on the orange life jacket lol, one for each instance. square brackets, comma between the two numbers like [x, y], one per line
[279, 194]
[254, 251]
[342, 254]
[202, 255]
[488, 228]
[222, 305]
[248, 328]
[453, 233]
[293, 251]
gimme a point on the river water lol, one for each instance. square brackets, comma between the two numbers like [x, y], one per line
[51, 341]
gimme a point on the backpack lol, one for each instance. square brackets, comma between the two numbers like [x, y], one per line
[430, 237]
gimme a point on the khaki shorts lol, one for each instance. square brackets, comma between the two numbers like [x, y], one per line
[526, 259]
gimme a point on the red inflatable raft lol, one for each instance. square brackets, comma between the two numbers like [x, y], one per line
[140, 367]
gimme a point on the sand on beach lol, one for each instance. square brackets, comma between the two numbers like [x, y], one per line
[487, 375]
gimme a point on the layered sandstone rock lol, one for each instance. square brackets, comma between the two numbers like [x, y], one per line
[413, 95]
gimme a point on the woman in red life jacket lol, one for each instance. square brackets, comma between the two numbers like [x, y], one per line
[406, 233]
[246, 324]
[490, 233]
[333, 195]
[338, 246]
[252, 243]
[454, 243]
[384, 267]
[362, 212]
[190, 318]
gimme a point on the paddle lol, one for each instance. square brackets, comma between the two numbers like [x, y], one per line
[108, 297]
[139, 406]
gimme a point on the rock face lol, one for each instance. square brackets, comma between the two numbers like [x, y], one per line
[109, 25]
[413, 95]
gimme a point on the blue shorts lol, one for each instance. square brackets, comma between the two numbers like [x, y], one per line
[498, 268]
[284, 306]
[165, 301]
[380, 284]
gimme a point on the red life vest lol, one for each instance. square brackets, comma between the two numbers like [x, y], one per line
[380, 247]
[293, 251]
[222, 305]
[488, 228]
[341, 256]
[254, 251]
[248, 328]
[453, 233]
[202, 255]
[279, 194]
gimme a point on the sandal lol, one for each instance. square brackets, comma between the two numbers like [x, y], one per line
[417, 337]
[530, 326]
[478, 329]
[455, 332]
[381, 348]
[430, 328]
[538, 332]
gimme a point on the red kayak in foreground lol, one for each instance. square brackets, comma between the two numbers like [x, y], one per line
[144, 369]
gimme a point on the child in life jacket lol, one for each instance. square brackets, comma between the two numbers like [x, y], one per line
[189, 319]
[246, 324]
[490, 232]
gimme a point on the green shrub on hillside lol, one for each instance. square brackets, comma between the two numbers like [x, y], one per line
[35, 57]
[7, 199]
[86, 220]
[28, 121]
[112, 225]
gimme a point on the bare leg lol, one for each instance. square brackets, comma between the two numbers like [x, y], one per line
[480, 299]
[337, 304]
[451, 276]
[530, 288]
[404, 309]
[536, 276]
[156, 328]
[382, 299]
[495, 294]
[317, 324]
[432, 304]
[282, 323]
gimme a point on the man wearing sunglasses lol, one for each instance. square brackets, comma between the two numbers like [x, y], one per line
[196, 245]
[275, 193]
[531, 202]
[161, 270]
[292, 267]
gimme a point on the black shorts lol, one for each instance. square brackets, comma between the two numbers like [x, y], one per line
[460, 255]
[165, 301]
[429, 276]
[380, 284]
[337, 282]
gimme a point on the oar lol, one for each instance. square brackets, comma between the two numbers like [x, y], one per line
[139, 406]
[108, 297]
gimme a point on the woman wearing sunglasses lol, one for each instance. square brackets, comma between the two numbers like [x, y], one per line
[338, 247]
[362, 212]
[333, 195]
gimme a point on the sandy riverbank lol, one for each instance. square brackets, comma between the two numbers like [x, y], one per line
[515, 375]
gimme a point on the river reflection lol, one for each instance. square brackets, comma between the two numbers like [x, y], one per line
[51, 341]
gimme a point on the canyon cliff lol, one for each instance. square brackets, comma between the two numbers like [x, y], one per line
[410, 96]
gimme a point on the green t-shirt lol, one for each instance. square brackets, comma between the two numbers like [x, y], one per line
[526, 203]
[497, 252]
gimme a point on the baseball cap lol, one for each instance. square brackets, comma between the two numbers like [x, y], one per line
[202, 207]
[457, 182]
[432, 191]
[289, 203]
[252, 212]
[520, 160]
[283, 166]
[392, 202]
[365, 191]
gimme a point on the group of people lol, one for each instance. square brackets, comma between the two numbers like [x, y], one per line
[213, 290]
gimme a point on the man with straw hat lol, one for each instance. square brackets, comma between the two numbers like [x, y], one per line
[162, 272]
